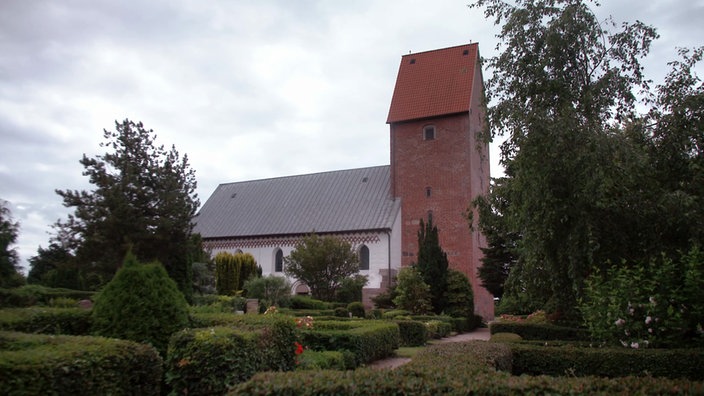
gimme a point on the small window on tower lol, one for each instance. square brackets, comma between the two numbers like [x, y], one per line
[429, 132]
[428, 192]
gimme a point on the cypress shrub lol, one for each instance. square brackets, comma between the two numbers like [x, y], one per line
[232, 271]
[141, 303]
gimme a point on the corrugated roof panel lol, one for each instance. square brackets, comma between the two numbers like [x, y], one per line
[434, 83]
[322, 202]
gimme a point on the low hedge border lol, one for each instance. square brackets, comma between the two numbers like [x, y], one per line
[37, 364]
[326, 360]
[607, 362]
[477, 367]
[368, 340]
[29, 295]
[45, 320]
[208, 361]
[540, 331]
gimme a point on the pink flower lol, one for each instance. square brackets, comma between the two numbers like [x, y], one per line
[620, 322]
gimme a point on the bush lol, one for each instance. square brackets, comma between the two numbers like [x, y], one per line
[342, 312]
[413, 294]
[438, 329]
[458, 296]
[659, 303]
[368, 340]
[505, 337]
[214, 303]
[68, 321]
[141, 303]
[356, 309]
[374, 314]
[32, 364]
[533, 331]
[307, 302]
[209, 361]
[412, 333]
[232, 271]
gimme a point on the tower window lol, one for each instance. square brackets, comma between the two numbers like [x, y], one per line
[429, 132]
[428, 192]
[364, 258]
[279, 261]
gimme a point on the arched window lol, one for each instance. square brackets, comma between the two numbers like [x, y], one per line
[429, 132]
[364, 257]
[279, 261]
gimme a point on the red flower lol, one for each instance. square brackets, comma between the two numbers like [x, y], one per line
[299, 348]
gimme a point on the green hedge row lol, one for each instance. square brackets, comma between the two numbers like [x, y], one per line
[32, 364]
[540, 331]
[412, 333]
[45, 320]
[208, 361]
[368, 340]
[472, 369]
[29, 295]
[607, 362]
[326, 360]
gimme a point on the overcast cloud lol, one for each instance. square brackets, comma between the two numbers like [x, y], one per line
[248, 89]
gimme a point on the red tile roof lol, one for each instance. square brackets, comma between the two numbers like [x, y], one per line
[434, 83]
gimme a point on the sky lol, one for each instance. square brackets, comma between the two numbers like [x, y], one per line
[247, 89]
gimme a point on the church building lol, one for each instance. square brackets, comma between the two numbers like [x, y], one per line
[438, 165]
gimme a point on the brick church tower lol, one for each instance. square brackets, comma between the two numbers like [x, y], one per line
[438, 163]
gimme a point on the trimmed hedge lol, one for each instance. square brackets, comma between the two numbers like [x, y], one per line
[326, 360]
[307, 312]
[607, 362]
[32, 364]
[211, 360]
[30, 295]
[368, 340]
[472, 370]
[45, 320]
[307, 302]
[412, 333]
[438, 329]
[540, 331]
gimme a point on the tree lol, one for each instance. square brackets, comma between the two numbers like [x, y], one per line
[270, 290]
[232, 270]
[143, 199]
[51, 263]
[432, 264]
[500, 254]
[412, 293]
[322, 263]
[9, 260]
[563, 87]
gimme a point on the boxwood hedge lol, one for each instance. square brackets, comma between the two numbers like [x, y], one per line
[368, 340]
[36, 364]
[208, 361]
[539, 331]
[46, 320]
[477, 367]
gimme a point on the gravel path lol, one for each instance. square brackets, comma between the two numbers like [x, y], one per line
[393, 362]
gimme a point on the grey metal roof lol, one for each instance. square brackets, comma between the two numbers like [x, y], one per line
[337, 201]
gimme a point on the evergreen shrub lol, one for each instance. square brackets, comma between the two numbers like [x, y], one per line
[342, 312]
[459, 298]
[438, 329]
[35, 364]
[141, 303]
